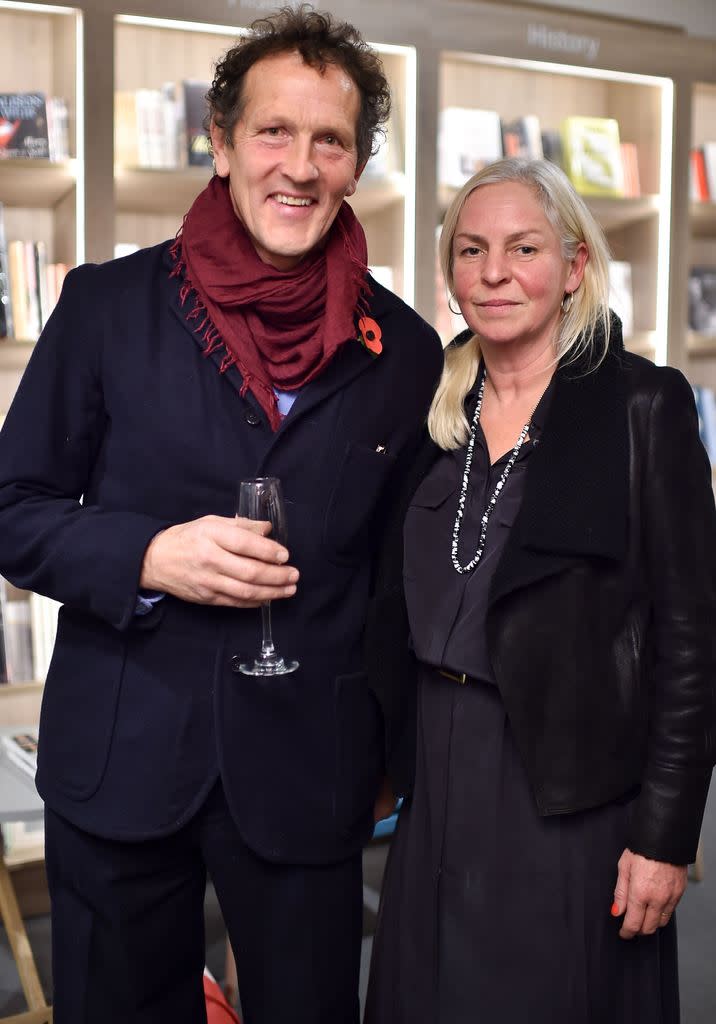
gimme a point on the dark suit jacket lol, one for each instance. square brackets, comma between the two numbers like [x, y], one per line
[601, 611]
[140, 715]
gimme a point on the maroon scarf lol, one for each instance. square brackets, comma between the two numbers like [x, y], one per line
[280, 327]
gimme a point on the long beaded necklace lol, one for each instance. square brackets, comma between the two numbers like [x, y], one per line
[495, 494]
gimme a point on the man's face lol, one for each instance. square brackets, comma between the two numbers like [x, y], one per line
[294, 156]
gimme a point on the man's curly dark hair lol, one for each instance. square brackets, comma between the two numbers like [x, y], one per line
[321, 41]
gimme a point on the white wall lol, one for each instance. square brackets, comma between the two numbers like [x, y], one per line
[697, 17]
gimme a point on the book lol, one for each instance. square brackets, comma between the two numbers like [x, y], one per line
[630, 168]
[468, 140]
[21, 749]
[706, 409]
[126, 146]
[522, 137]
[23, 126]
[552, 148]
[620, 295]
[43, 626]
[592, 155]
[17, 275]
[702, 300]
[6, 323]
[17, 634]
[709, 151]
[198, 152]
[698, 185]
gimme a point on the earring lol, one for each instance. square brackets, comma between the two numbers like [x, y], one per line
[455, 312]
[567, 301]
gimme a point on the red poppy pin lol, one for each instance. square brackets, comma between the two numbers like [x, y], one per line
[369, 335]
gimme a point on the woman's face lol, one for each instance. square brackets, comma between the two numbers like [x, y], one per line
[509, 273]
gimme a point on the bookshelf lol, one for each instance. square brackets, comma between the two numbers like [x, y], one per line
[150, 202]
[637, 228]
[40, 51]
[701, 347]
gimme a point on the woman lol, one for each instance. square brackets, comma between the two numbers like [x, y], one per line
[559, 590]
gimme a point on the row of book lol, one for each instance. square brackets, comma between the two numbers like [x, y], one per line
[33, 126]
[162, 128]
[702, 300]
[702, 172]
[28, 626]
[30, 286]
[588, 149]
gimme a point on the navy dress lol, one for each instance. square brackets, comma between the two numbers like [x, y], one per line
[491, 914]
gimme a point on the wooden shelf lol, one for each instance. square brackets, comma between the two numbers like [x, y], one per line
[703, 219]
[36, 183]
[14, 354]
[159, 191]
[612, 213]
[701, 344]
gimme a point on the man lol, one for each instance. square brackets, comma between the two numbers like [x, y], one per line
[254, 345]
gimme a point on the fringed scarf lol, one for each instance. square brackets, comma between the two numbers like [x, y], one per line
[280, 327]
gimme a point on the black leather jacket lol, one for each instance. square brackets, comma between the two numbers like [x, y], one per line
[601, 617]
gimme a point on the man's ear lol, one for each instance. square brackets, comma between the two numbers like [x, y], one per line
[352, 187]
[219, 146]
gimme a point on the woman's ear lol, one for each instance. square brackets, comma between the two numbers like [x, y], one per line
[576, 273]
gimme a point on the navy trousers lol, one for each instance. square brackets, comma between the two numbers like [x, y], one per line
[128, 927]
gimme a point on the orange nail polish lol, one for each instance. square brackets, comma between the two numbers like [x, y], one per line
[615, 909]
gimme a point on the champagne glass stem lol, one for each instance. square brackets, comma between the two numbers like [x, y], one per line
[267, 647]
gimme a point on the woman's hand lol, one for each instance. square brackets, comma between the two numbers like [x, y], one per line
[646, 892]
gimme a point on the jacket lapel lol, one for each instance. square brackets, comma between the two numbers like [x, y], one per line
[575, 504]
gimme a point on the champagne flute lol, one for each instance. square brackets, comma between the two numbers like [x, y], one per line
[262, 499]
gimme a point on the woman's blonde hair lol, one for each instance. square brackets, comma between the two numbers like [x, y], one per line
[584, 327]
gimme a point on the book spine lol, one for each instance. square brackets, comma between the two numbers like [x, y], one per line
[18, 287]
[6, 322]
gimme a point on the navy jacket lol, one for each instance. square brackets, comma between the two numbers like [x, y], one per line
[122, 426]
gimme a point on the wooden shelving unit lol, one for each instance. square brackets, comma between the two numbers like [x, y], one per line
[149, 204]
[636, 228]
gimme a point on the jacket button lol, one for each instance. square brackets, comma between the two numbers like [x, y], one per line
[236, 663]
[252, 418]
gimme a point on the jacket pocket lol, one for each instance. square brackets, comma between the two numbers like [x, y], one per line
[352, 512]
[79, 704]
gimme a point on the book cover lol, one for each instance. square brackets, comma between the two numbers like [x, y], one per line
[468, 140]
[23, 126]
[702, 300]
[709, 151]
[21, 749]
[621, 297]
[592, 155]
[6, 324]
[522, 137]
[698, 185]
[198, 153]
